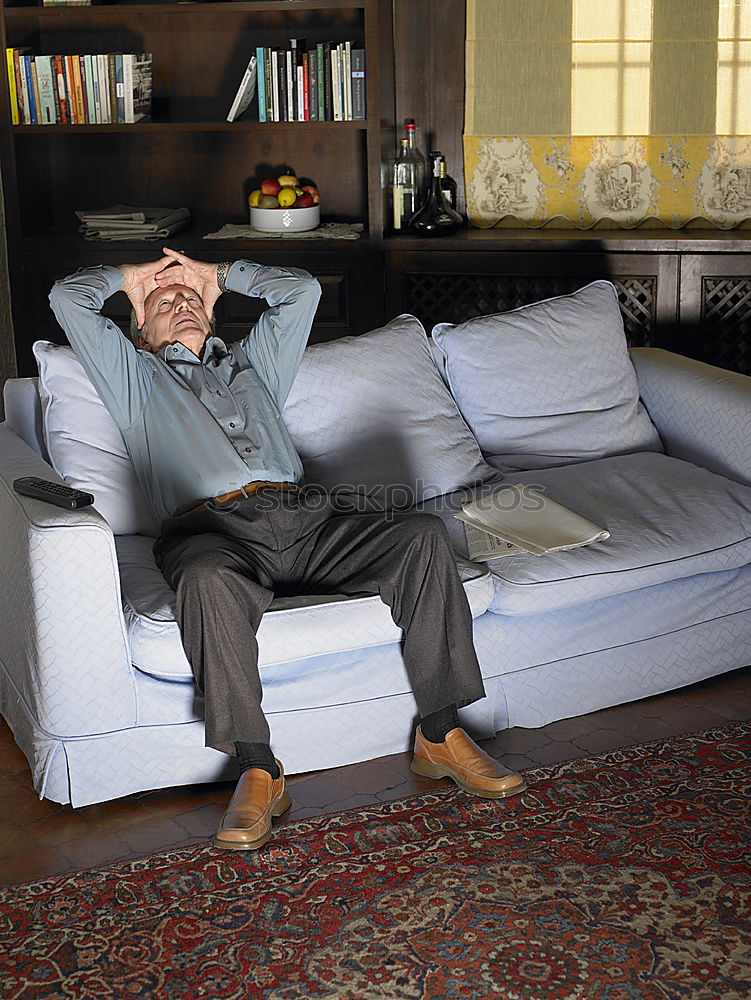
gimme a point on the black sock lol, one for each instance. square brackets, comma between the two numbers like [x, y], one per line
[257, 755]
[435, 726]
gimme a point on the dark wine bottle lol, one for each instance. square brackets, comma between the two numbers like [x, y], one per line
[448, 184]
[437, 217]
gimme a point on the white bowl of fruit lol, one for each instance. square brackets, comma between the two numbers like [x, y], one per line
[284, 205]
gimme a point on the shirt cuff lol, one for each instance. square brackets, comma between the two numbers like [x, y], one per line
[239, 276]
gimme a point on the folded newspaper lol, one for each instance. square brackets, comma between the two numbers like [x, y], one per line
[521, 520]
[126, 222]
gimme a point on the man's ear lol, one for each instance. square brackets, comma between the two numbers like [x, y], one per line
[142, 341]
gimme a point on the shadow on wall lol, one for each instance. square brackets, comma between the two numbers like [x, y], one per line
[7, 348]
[501, 282]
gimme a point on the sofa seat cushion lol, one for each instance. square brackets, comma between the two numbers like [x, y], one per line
[550, 383]
[667, 519]
[293, 628]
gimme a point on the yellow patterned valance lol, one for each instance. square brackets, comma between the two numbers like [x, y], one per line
[606, 182]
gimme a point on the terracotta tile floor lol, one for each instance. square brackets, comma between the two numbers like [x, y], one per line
[39, 838]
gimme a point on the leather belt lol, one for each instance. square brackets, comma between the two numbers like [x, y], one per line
[223, 499]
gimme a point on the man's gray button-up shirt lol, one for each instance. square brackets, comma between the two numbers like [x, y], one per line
[197, 427]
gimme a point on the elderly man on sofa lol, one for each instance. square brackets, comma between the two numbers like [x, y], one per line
[202, 424]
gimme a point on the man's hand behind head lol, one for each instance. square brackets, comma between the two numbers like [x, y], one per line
[196, 274]
[139, 280]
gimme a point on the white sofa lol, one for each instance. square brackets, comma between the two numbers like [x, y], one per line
[93, 679]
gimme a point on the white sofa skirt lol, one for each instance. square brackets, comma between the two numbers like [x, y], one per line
[537, 669]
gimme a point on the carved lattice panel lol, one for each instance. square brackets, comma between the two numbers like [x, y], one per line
[726, 327]
[453, 298]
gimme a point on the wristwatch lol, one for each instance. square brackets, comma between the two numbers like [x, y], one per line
[221, 274]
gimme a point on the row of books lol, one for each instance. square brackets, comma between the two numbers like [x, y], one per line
[78, 90]
[321, 83]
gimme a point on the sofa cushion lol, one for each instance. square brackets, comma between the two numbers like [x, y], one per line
[293, 628]
[667, 519]
[550, 383]
[84, 444]
[373, 412]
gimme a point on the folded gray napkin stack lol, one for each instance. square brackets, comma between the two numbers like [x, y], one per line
[126, 222]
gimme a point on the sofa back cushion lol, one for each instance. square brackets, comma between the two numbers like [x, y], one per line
[368, 412]
[372, 411]
[550, 383]
[84, 444]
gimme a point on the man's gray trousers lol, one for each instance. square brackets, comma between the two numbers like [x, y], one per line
[226, 566]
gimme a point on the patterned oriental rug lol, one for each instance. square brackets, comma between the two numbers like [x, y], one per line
[619, 877]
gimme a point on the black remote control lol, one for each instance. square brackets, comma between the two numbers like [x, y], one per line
[57, 493]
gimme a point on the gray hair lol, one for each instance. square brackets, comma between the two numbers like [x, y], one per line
[134, 330]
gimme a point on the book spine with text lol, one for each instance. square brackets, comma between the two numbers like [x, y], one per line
[75, 64]
[282, 85]
[70, 89]
[128, 88]
[12, 94]
[269, 85]
[88, 71]
[84, 90]
[303, 84]
[358, 85]
[62, 90]
[142, 69]
[46, 86]
[112, 88]
[347, 80]
[28, 90]
[313, 85]
[23, 111]
[96, 91]
[291, 89]
[35, 85]
[321, 83]
[336, 83]
[261, 83]
[104, 88]
[119, 87]
[275, 84]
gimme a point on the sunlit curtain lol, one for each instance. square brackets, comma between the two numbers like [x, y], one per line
[608, 113]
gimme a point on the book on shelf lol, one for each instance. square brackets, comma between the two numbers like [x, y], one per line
[46, 86]
[520, 520]
[358, 85]
[245, 91]
[78, 89]
[324, 82]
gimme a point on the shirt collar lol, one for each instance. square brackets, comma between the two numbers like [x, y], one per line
[214, 350]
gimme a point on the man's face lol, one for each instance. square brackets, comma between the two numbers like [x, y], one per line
[174, 315]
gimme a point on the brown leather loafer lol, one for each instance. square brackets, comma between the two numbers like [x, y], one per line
[246, 825]
[460, 759]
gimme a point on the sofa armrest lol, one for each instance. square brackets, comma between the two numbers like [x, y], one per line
[702, 413]
[63, 645]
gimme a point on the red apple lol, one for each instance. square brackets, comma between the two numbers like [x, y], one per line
[271, 186]
[313, 192]
[304, 201]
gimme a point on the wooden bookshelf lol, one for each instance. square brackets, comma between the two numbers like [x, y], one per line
[188, 154]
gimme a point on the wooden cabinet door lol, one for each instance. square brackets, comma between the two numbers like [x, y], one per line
[715, 308]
